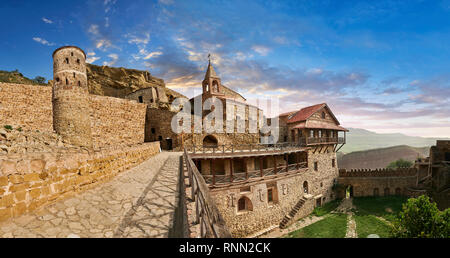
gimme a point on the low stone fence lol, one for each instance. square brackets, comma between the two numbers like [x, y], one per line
[30, 181]
[382, 172]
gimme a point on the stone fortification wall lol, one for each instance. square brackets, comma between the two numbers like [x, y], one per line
[29, 181]
[116, 121]
[28, 107]
[378, 182]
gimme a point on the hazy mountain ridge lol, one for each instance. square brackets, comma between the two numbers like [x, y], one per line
[361, 139]
[380, 158]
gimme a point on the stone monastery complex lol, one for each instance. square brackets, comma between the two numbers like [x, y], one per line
[60, 141]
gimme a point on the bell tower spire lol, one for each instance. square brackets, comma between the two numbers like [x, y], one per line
[211, 83]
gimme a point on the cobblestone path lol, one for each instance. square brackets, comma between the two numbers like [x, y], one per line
[140, 202]
[277, 232]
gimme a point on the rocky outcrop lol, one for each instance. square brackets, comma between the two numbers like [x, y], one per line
[118, 82]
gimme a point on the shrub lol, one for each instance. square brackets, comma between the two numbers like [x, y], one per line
[8, 127]
[421, 218]
[401, 163]
[19, 129]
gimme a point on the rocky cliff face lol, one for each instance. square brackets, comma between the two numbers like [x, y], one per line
[118, 82]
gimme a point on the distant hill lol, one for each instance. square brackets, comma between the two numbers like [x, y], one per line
[361, 139]
[380, 158]
[17, 77]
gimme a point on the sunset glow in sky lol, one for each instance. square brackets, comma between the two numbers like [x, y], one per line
[380, 65]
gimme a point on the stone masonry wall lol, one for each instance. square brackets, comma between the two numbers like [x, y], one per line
[289, 191]
[263, 214]
[116, 121]
[26, 106]
[30, 181]
[379, 182]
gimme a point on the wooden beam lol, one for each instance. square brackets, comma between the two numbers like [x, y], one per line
[261, 166]
[231, 170]
[275, 164]
[212, 172]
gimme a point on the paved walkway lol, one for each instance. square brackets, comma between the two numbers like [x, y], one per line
[277, 232]
[346, 207]
[140, 202]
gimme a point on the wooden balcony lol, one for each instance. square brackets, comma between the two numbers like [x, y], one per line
[216, 180]
[321, 140]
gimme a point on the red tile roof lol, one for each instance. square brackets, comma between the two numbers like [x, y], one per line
[305, 113]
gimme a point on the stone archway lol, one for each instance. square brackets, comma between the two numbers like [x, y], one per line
[349, 192]
[210, 141]
[305, 187]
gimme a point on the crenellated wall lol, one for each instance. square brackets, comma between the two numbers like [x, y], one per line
[116, 121]
[26, 106]
[32, 180]
[378, 182]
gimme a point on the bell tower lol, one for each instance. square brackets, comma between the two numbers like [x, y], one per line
[211, 84]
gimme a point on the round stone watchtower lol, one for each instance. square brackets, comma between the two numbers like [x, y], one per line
[71, 111]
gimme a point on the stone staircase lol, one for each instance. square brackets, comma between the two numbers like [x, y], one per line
[287, 220]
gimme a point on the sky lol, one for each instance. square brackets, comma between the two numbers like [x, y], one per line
[379, 65]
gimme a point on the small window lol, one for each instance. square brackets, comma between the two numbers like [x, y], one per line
[67, 82]
[320, 133]
[160, 138]
[141, 100]
[244, 189]
[316, 166]
[71, 53]
[79, 83]
[333, 162]
[270, 195]
[323, 115]
[153, 130]
[57, 79]
[311, 133]
[244, 204]
[375, 192]
[78, 61]
[67, 60]
[73, 75]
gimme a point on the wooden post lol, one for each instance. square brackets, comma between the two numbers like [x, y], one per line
[275, 164]
[287, 162]
[246, 168]
[212, 172]
[261, 166]
[231, 170]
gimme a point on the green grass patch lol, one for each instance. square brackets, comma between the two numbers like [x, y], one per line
[369, 224]
[326, 208]
[383, 206]
[333, 226]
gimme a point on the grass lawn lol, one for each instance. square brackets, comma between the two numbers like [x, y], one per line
[334, 226]
[369, 224]
[326, 208]
[387, 207]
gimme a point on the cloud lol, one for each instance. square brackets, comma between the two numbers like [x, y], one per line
[100, 41]
[139, 40]
[43, 41]
[47, 20]
[153, 54]
[91, 58]
[114, 58]
[262, 50]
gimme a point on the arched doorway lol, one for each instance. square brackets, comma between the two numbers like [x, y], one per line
[349, 192]
[305, 187]
[244, 204]
[210, 141]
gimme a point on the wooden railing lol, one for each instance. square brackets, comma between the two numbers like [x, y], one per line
[236, 177]
[212, 224]
[233, 148]
[315, 140]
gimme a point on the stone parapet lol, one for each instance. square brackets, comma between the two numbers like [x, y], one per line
[384, 172]
[30, 181]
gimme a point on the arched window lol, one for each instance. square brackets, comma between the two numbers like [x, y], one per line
[305, 187]
[210, 141]
[398, 191]
[386, 191]
[376, 192]
[244, 204]
[215, 86]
